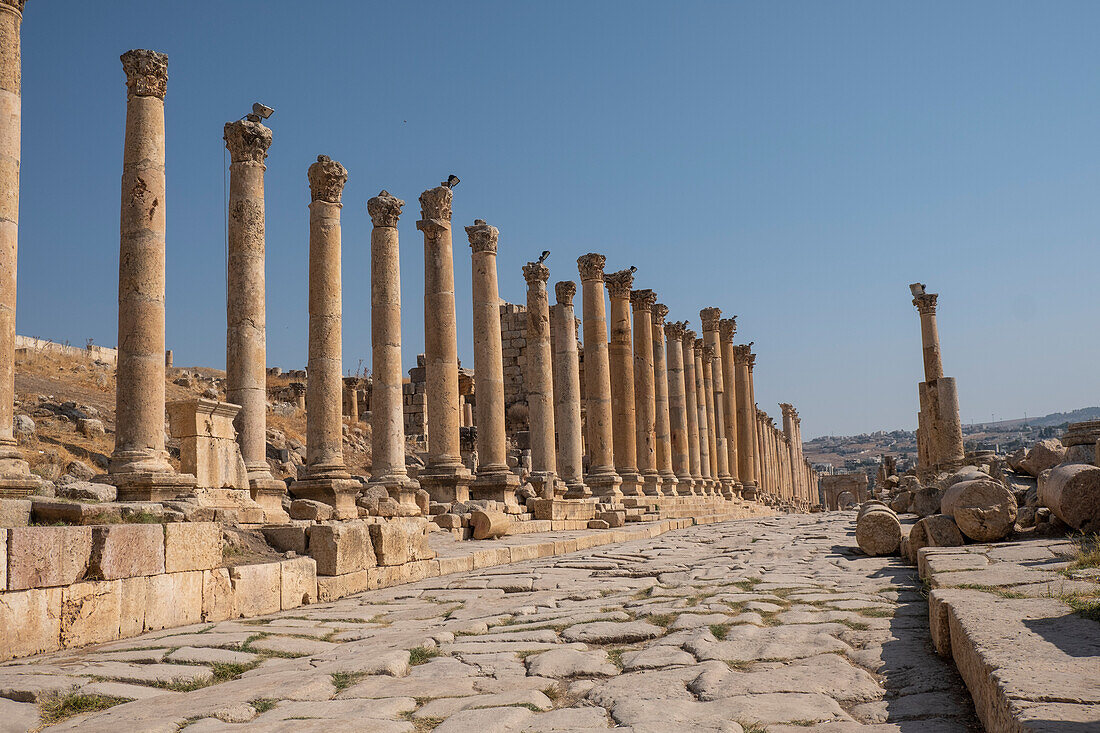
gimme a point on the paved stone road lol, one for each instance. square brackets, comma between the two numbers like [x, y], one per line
[769, 624]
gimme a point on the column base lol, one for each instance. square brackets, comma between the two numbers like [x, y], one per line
[670, 484]
[632, 482]
[16, 479]
[161, 486]
[546, 484]
[268, 492]
[339, 493]
[149, 462]
[651, 484]
[496, 486]
[562, 509]
[576, 489]
[725, 487]
[446, 484]
[400, 487]
[749, 492]
[605, 485]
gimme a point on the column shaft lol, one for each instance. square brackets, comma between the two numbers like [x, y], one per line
[705, 465]
[712, 437]
[746, 419]
[567, 393]
[539, 381]
[624, 433]
[677, 408]
[661, 399]
[691, 401]
[645, 403]
[601, 477]
[727, 327]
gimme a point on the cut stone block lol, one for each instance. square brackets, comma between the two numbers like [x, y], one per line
[299, 582]
[40, 557]
[192, 546]
[256, 589]
[173, 599]
[291, 538]
[341, 548]
[31, 620]
[217, 595]
[132, 593]
[126, 551]
[15, 512]
[391, 543]
[90, 612]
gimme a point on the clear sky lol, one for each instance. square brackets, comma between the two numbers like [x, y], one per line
[795, 163]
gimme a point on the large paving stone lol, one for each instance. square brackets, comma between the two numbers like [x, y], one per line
[608, 632]
[746, 643]
[560, 663]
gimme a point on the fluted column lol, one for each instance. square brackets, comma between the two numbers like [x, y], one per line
[645, 403]
[691, 402]
[444, 476]
[705, 464]
[246, 309]
[746, 420]
[15, 477]
[539, 381]
[567, 393]
[494, 480]
[139, 465]
[601, 477]
[727, 327]
[622, 383]
[661, 400]
[388, 469]
[710, 318]
[677, 408]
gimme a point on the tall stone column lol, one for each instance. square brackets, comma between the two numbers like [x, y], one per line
[444, 476]
[705, 464]
[567, 393]
[758, 454]
[712, 437]
[388, 469]
[929, 332]
[939, 399]
[710, 318]
[677, 409]
[326, 477]
[727, 327]
[539, 381]
[661, 399]
[494, 479]
[622, 383]
[645, 403]
[691, 402]
[746, 421]
[16, 479]
[246, 312]
[139, 465]
[601, 477]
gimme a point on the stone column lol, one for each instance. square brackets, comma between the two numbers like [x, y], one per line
[712, 438]
[539, 381]
[941, 431]
[601, 477]
[710, 318]
[691, 402]
[622, 383]
[929, 333]
[494, 479]
[746, 421]
[388, 469]
[444, 476]
[645, 404]
[705, 465]
[661, 399]
[567, 393]
[246, 332]
[757, 454]
[16, 479]
[351, 400]
[326, 477]
[677, 408]
[727, 327]
[139, 465]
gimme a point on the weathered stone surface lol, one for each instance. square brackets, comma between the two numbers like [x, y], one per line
[983, 509]
[489, 524]
[1041, 456]
[173, 599]
[37, 615]
[608, 632]
[341, 548]
[878, 531]
[559, 663]
[1072, 493]
[126, 551]
[40, 557]
[309, 509]
[90, 612]
[192, 546]
[15, 512]
[298, 586]
[257, 589]
[217, 595]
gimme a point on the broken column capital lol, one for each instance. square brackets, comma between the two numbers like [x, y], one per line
[146, 72]
[619, 283]
[643, 300]
[326, 180]
[247, 141]
[674, 331]
[660, 310]
[384, 209]
[926, 303]
[688, 336]
[591, 265]
[710, 318]
[536, 272]
[727, 327]
[483, 237]
[16, 5]
[565, 290]
[435, 205]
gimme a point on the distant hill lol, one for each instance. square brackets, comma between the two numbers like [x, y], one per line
[1048, 421]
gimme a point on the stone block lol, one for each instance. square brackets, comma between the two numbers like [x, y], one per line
[342, 548]
[192, 546]
[288, 538]
[15, 512]
[391, 543]
[519, 553]
[613, 518]
[90, 612]
[208, 446]
[489, 558]
[31, 620]
[257, 589]
[299, 582]
[217, 595]
[308, 509]
[3, 560]
[448, 521]
[332, 587]
[449, 565]
[126, 551]
[132, 593]
[40, 557]
[173, 599]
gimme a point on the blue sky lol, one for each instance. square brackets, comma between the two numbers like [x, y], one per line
[796, 164]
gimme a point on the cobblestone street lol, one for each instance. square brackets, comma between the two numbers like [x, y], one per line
[758, 624]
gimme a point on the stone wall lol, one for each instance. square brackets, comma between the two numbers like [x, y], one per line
[513, 338]
[28, 345]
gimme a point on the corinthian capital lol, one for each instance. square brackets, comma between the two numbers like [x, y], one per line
[590, 266]
[643, 300]
[619, 283]
[146, 72]
[674, 331]
[565, 290]
[741, 353]
[326, 180]
[435, 204]
[727, 327]
[709, 354]
[926, 303]
[247, 141]
[483, 237]
[710, 318]
[660, 310]
[688, 339]
[788, 409]
[535, 272]
[16, 5]
[384, 209]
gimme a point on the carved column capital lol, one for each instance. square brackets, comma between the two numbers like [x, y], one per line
[788, 409]
[16, 5]
[591, 265]
[688, 337]
[674, 331]
[710, 318]
[384, 209]
[483, 237]
[326, 180]
[534, 272]
[146, 72]
[246, 141]
[565, 290]
[752, 360]
[926, 303]
[741, 353]
[727, 327]
[643, 300]
[709, 353]
[660, 310]
[435, 210]
[698, 345]
[619, 283]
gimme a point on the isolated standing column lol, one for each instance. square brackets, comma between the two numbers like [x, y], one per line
[567, 393]
[622, 382]
[539, 381]
[388, 468]
[645, 404]
[601, 477]
[661, 399]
